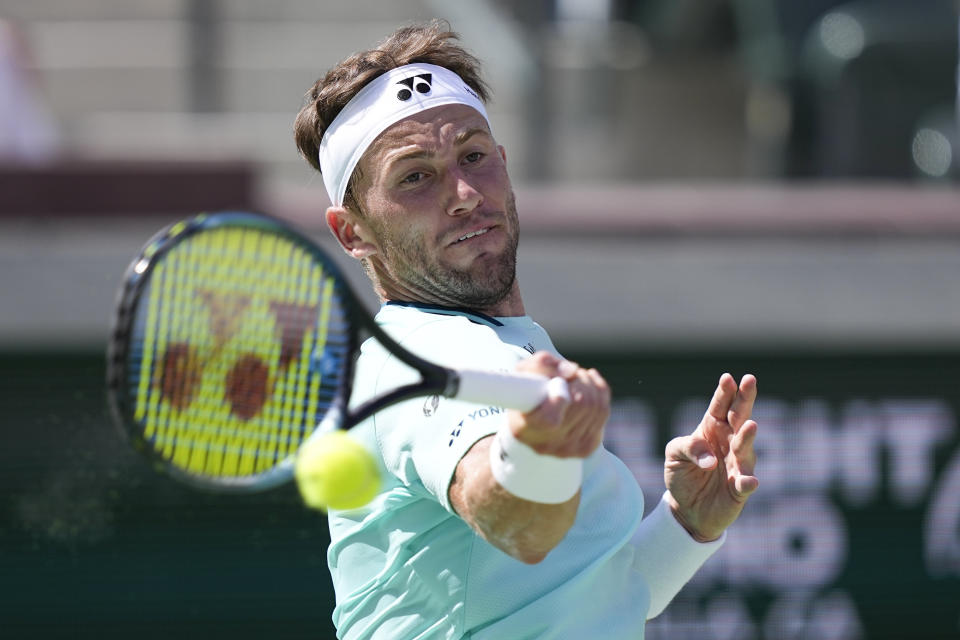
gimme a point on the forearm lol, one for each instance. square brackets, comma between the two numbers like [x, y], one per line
[523, 529]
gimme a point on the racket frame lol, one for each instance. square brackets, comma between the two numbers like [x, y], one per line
[435, 379]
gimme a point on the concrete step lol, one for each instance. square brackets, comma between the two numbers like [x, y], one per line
[108, 44]
[87, 66]
[266, 138]
[73, 93]
[118, 74]
[296, 45]
[30, 10]
[396, 11]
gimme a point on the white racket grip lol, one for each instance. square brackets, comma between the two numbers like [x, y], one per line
[521, 391]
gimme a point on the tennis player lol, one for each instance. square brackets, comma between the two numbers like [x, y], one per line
[491, 524]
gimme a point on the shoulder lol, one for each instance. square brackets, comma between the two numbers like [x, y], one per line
[449, 339]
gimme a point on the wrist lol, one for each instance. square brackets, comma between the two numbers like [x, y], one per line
[684, 521]
[530, 475]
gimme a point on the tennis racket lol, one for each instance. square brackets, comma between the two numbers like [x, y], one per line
[235, 336]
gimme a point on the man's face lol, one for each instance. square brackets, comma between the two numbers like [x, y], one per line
[437, 198]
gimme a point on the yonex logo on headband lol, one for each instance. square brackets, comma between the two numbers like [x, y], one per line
[384, 101]
[419, 82]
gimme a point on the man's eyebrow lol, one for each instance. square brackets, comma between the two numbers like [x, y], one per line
[408, 155]
[469, 133]
[416, 154]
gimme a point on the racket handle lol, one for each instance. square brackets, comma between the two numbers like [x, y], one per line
[520, 391]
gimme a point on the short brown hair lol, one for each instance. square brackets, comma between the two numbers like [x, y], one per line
[432, 43]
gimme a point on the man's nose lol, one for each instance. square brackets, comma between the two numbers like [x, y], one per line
[464, 196]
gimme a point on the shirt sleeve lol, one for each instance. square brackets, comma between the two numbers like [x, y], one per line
[422, 440]
[667, 556]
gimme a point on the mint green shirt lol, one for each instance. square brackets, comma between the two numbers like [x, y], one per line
[406, 566]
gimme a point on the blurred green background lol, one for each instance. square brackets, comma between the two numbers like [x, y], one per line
[856, 523]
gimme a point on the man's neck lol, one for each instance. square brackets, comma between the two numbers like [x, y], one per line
[511, 305]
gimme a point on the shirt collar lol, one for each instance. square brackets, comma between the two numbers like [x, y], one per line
[471, 315]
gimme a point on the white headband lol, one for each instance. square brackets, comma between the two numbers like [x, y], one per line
[397, 94]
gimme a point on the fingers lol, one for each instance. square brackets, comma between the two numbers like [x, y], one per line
[742, 406]
[694, 450]
[588, 411]
[699, 451]
[565, 427]
[743, 481]
[691, 449]
[586, 386]
[722, 398]
[745, 485]
[742, 447]
[546, 364]
[732, 404]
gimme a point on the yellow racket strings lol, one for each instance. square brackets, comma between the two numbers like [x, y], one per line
[232, 322]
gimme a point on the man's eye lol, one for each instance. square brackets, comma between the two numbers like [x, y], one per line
[474, 156]
[413, 178]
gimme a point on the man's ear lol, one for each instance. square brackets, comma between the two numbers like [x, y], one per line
[352, 235]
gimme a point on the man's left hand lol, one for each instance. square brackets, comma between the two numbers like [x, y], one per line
[709, 474]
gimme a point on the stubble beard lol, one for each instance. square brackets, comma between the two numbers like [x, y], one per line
[419, 271]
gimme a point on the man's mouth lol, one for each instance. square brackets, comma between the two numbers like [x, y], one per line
[472, 234]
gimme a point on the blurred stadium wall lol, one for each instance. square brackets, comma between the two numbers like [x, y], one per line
[704, 186]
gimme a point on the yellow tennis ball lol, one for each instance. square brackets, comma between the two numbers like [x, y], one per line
[335, 471]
